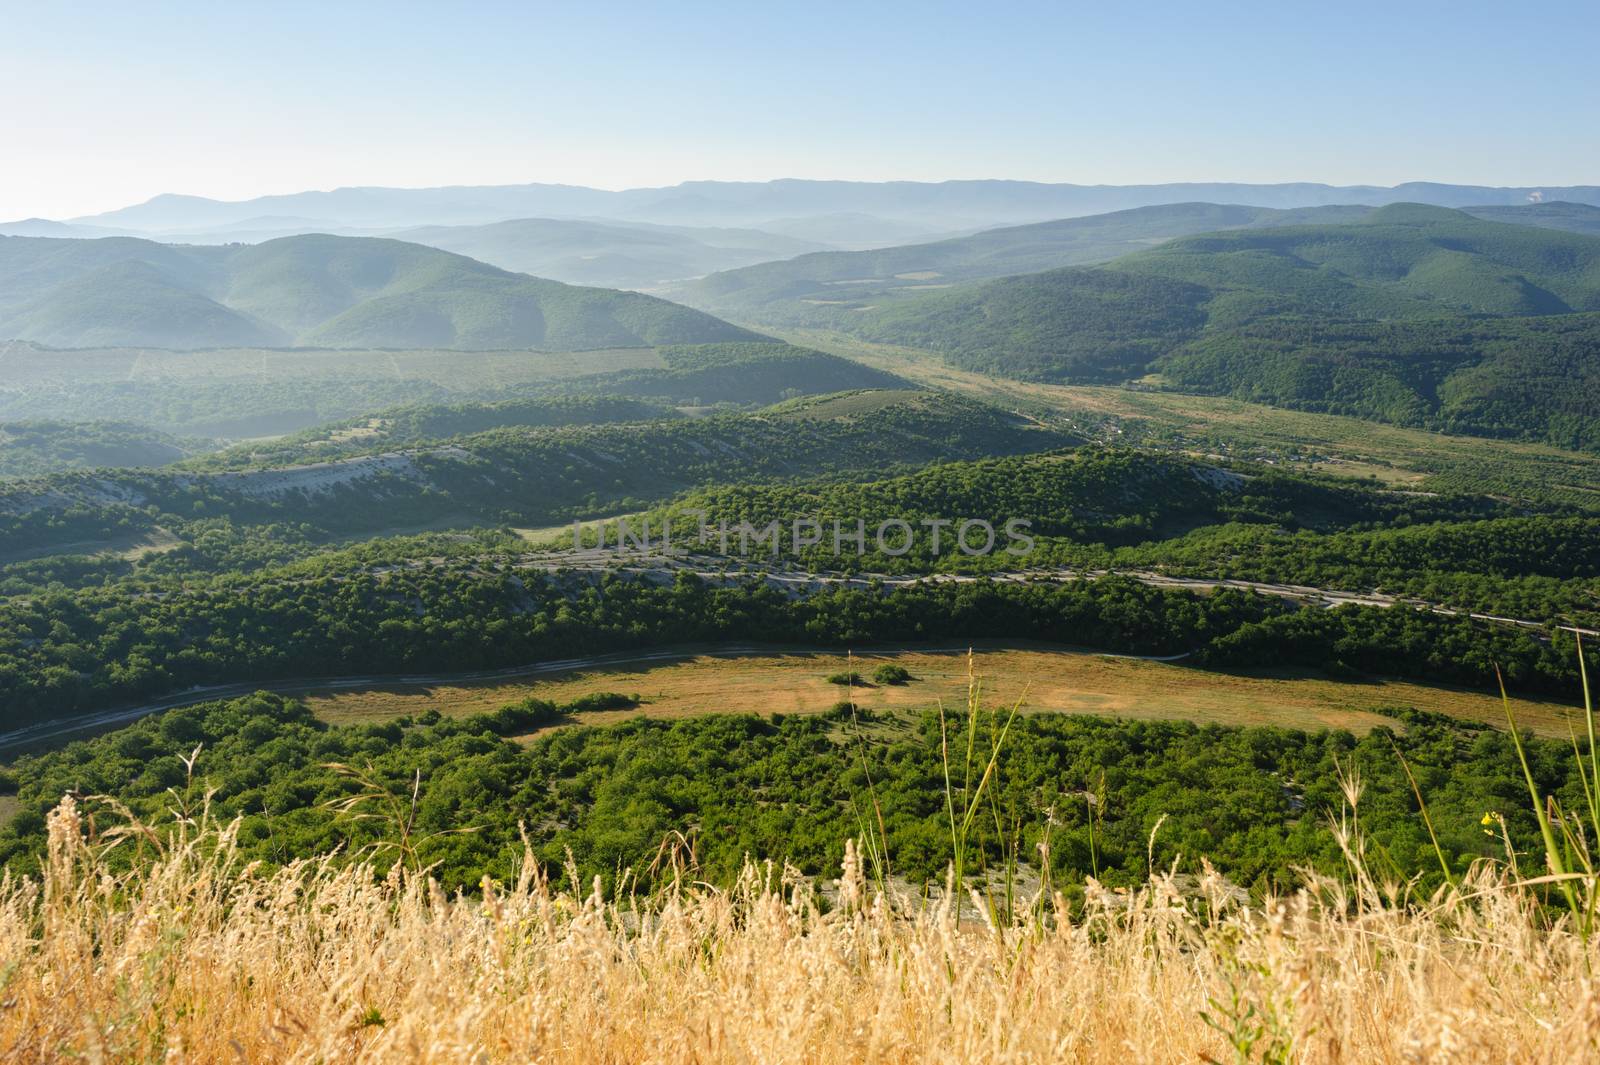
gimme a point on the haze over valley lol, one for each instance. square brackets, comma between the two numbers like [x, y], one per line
[900, 534]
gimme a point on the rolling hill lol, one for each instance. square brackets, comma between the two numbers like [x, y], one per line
[799, 290]
[514, 473]
[1405, 260]
[745, 374]
[1572, 217]
[33, 448]
[243, 393]
[315, 291]
[1416, 314]
[809, 289]
[609, 255]
[691, 376]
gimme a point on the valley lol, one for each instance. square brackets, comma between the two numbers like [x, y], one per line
[708, 534]
[1306, 491]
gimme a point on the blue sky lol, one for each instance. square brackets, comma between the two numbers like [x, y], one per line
[106, 104]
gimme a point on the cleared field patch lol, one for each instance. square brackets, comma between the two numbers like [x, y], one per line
[853, 404]
[1045, 680]
[550, 535]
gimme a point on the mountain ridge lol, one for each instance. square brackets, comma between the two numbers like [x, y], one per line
[995, 201]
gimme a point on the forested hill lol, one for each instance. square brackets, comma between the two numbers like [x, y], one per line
[1573, 217]
[801, 290]
[517, 474]
[34, 448]
[316, 291]
[795, 290]
[1419, 315]
[1405, 260]
[695, 377]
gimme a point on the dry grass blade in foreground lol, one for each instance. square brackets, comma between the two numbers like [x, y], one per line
[193, 958]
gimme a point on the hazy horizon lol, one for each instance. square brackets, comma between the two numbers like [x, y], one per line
[1087, 184]
[246, 100]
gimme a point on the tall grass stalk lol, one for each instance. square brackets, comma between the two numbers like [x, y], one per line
[963, 804]
[873, 834]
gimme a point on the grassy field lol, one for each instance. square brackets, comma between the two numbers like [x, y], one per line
[1214, 425]
[1046, 680]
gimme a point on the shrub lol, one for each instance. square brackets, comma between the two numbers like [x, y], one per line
[845, 711]
[601, 701]
[889, 673]
[515, 717]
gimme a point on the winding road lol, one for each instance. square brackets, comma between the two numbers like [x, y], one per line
[44, 733]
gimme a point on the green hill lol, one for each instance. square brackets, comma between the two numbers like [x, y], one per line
[1530, 378]
[254, 392]
[132, 303]
[801, 290]
[743, 374]
[32, 448]
[1406, 260]
[1572, 217]
[1420, 315]
[1166, 510]
[315, 290]
[412, 424]
[516, 474]
[827, 288]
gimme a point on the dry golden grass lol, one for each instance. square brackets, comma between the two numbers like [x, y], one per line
[1046, 680]
[195, 959]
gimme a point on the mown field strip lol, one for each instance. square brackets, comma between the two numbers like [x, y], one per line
[1045, 679]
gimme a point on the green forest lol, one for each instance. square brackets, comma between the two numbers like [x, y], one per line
[1416, 315]
[64, 652]
[1254, 801]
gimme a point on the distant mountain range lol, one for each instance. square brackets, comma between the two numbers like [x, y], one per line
[314, 291]
[934, 207]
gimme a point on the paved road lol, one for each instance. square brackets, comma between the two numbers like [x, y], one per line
[803, 581]
[33, 736]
